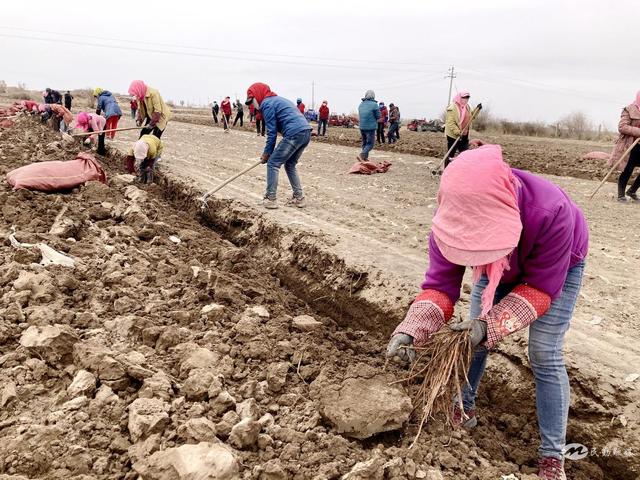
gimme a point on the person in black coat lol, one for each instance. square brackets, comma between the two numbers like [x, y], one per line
[67, 100]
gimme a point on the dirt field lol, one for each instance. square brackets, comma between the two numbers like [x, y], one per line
[538, 154]
[175, 345]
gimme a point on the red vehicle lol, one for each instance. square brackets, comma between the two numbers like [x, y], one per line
[424, 125]
[343, 121]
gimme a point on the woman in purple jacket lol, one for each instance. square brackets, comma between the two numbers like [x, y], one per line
[526, 242]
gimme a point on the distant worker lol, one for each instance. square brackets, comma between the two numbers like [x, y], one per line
[629, 129]
[457, 124]
[67, 100]
[151, 108]
[226, 113]
[52, 96]
[252, 114]
[301, 106]
[107, 105]
[239, 114]
[382, 122]
[323, 118]
[143, 157]
[91, 122]
[394, 123]
[260, 127]
[133, 104]
[369, 113]
[215, 108]
[281, 117]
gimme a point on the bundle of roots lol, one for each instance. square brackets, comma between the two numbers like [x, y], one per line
[442, 366]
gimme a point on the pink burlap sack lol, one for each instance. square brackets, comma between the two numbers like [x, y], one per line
[596, 156]
[367, 168]
[54, 176]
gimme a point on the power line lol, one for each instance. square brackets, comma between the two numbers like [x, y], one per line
[209, 49]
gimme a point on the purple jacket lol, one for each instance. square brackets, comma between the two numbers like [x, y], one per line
[554, 238]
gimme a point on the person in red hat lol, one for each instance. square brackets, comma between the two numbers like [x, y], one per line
[323, 118]
[281, 116]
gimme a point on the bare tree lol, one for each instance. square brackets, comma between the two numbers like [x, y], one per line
[576, 125]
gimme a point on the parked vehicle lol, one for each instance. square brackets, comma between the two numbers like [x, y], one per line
[424, 125]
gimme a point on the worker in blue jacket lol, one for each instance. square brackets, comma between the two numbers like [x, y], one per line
[281, 116]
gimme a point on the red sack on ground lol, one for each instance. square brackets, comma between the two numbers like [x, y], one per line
[54, 176]
[367, 168]
[596, 156]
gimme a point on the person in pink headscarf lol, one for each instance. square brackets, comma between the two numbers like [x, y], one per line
[457, 124]
[152, 111]
[629, 129]
[92, 122]
[526, 242]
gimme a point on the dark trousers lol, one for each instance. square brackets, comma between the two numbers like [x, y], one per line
[322, 125]
[154, 131]
[380, 132]
[215, 116]
[260, 127]
[67, 105]
[226, 118]
[461, 146]
[239, 116]
[101, 148]
[393, 136]
[625, 176]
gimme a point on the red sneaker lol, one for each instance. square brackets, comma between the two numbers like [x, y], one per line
[468, 420]
[550, 468]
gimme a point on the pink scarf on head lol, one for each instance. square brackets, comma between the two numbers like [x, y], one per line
[462, 109]
[138, 89]
[477, 222]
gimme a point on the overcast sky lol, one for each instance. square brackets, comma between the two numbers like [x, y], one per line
[526, 60]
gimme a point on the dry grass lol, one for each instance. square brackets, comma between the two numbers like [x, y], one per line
[442, 365]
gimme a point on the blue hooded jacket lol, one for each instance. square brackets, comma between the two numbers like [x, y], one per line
[108, 105]
[281, 116]
[369, 113]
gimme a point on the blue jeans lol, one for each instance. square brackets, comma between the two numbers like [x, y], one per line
[287, 153]
[392, 136]
[368, 140]
[546, 339]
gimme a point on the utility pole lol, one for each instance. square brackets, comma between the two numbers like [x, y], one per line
[450, 75]
[313, 95]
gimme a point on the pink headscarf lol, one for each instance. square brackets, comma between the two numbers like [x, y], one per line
[138, 89]
[82, 121]
[477, 222]
[462, 109]
[140, 150]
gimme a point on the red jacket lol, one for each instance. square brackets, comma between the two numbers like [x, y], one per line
[133, 104]
[301, 108]
[323, 111]
[384, 114]
[258, 115]
[226, 107]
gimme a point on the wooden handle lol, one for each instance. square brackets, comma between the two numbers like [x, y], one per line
[614, 167]
[229, 180]
[84, 134]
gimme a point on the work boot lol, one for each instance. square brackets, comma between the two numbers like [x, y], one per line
[270, 204]
[550, 468]
[633, 195]
[469, 420]
[297, 202]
